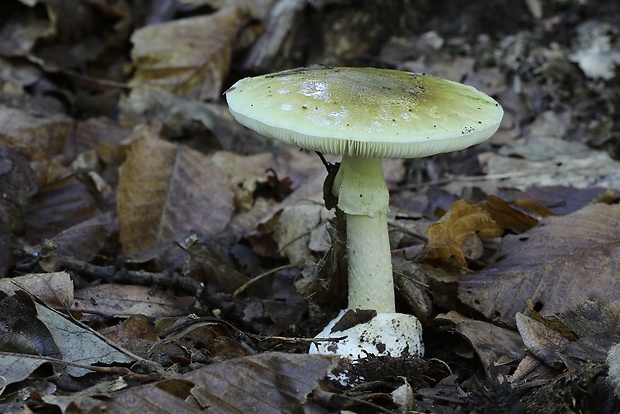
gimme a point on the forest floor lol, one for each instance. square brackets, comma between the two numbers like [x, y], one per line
[156, 256]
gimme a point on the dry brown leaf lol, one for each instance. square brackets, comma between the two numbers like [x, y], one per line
[58, 206]
[562, 200]
[558, 264]
[124, 301]
[84, 240]
[518, 216]
[167, 192]
[188, 57]
[545, 343]
[55, 289]
[463, 222]
[93, 134]
[42, 136]
[264, 383]
[33, 330]
[490, 342]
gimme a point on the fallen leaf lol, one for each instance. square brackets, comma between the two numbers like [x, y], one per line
[58, 206]
[264, 383]
[560, 200]
[180, 117]
[188, 57]
[87, 400]
[23, 332]
[167, 192]
[446, 238]
[44, 136]
[597, 326]
[94, 133]
[558, 264]
[17, 183]
[585, 170]
[84, 240]
[490, 342]
[79, 344]
[123, 301]
[36, 333]
[54, 289]
[18, 367]
[518, 216]
[543, 342]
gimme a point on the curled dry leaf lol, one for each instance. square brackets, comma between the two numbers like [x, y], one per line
[518, 216]
[558, 264]
[543, 342]
[187, 57]
[490, 342]
[167, 192]
[463, 223]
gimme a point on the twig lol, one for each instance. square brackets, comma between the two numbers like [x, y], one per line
[140, 277]
[257, 278]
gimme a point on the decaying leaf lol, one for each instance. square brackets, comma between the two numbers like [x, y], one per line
[518, 216]
[595, 320]
[79, 344]
[167, 192]
[543, 342]
[55, 289]
[84, 240]
[583, 170]
[188, 57]
[464, 221]
[43, 136]
[597, 328]
[88, 399]
[122, 301]
[492, 344]
[36, 332]
[558, 264]
[58, 206]
[265, 383]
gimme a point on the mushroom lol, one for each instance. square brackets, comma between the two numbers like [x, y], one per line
[365, 115]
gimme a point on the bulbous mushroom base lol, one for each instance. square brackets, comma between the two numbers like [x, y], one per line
[393, 334]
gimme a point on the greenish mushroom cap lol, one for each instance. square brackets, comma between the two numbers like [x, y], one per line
[365, 111]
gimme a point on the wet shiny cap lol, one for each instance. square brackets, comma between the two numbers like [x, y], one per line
[365, 111]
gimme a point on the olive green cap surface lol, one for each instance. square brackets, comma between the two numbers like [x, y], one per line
[365, 111]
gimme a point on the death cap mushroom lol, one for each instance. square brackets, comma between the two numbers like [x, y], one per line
[365, 111]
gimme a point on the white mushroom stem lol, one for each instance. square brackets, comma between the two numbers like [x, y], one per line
[364, 198]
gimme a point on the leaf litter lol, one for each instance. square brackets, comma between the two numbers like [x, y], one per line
[135, 207]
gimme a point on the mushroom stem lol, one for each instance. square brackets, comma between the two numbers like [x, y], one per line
[364, 198]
